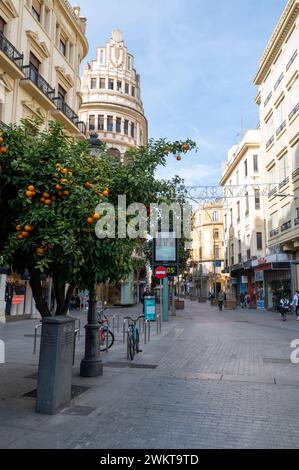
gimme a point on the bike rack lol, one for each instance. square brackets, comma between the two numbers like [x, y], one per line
[76, 336]
[124, 330]
[147, 331]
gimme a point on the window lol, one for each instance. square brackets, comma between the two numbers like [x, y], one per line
[62, 46]
[92, 122]
[237, 178]
[225, 223]
[280, 113]
[2, 25]
[215, 216]
[129, 63]
[216, 252]
[102, 83]
[216, 234]
[118, 124]
[36, 9]
[245, 168]
[110, 84]
[259, 240]
[110, 123]
[246, 203]
[61, 92]
[284, 168]
[255, 163]
[238, 210]
[119, 85]
[71, 57]
[126, 127]
[102, 57]
[133, 91]
[294, 95]
[270, 127]
[34, 62]
[274, 221]
[231, 217]
[127, 88]
[132, 129]
[291, 45]
[93, 83]
[100, 122]
[272, 175]
[257, 198]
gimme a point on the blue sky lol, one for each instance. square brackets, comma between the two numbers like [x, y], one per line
[197, 60]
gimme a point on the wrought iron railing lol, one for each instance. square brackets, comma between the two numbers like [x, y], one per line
[291, 60]
[294, 111]
[295, 173]
[274, 232]
[284, 182]
[281, 127]
[34, 76]
[272, 192]
[270, 142]
[286, 226]
[11, 52]
[4, 127]
[69, 113]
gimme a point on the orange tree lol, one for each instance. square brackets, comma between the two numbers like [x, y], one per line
[50, 186]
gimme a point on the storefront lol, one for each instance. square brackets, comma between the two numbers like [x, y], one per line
[273, 280]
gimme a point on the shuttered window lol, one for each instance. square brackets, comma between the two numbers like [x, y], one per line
[36, 9]
[2, 25]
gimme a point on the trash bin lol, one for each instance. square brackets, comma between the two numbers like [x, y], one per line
[150, 308]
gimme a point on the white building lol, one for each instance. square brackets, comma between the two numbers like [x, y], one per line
[112, 105]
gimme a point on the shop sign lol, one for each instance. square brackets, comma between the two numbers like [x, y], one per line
[234, 281]
[244, 280]
[259, 276]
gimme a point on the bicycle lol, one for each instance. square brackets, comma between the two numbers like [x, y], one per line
[104, 331]
[133, 338]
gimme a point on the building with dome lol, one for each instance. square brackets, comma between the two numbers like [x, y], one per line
[111, 98]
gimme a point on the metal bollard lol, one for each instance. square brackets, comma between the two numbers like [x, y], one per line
[149, 331]
[124, 331]
[35, 336]
[113, 324]
[107, 339]
[117, 323]
[157, 323]
[145, 331]
[74, 349]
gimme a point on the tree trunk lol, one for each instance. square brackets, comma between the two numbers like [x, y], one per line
[37, 292]
[68, 298]
[59, 289]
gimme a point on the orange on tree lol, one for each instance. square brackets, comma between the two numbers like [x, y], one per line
[18, 228]
[87, 185]
[53, 198]
[179, 158]
[1, 140]
[31, 188]
[20, 237]
[185, 147]
[66, 193]
[40, 251]
[106, 193]
[46, 195]
[63, 181]
[42, 199]
[48, 202]
[3, 149]
[58, 187]
[29, 194]
[28, 228]
[90, 220]
[33, 193]
[96, 216]
[166, 151]
[25, 233]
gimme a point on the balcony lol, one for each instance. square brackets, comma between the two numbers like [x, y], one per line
[68, 117]
[281, 128]
[295, 173]
[11, 58]
[296, 221]
[291, 60]
[4, 127]
[284, 182]
[274, 232]
[286, 226]
[270, 142]
[294, 112]
[272, 192]
[38, 88]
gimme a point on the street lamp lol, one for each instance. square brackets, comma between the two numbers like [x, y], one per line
[91, 365]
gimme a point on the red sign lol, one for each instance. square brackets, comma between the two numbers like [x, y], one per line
[161, 272]
[18, 299]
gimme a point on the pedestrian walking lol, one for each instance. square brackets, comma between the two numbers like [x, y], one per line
[220, 300]
[284, 308]
[295, 304]
[242, 300]
[247, 300]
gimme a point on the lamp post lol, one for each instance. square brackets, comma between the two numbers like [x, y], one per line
[91, 365]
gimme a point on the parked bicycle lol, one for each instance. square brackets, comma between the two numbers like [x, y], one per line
[133, 338]
[105, 343]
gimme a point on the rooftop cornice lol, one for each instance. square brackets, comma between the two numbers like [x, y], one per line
[77, 22]
[241, 152]
[278, 36]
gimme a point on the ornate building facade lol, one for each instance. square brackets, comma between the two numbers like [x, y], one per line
[112, 106]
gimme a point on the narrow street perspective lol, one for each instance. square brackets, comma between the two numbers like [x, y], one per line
[210, 380]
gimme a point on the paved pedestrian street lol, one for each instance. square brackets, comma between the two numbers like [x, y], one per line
[210, 380]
